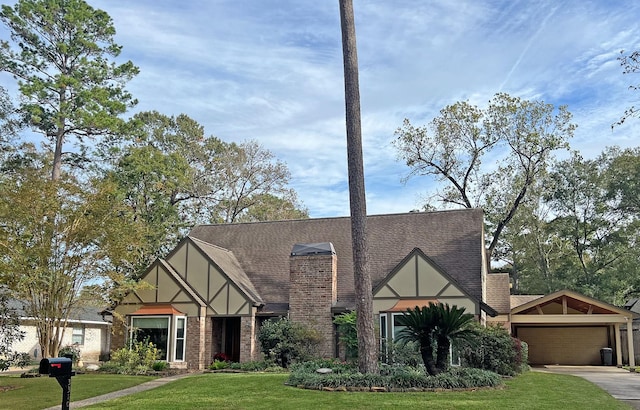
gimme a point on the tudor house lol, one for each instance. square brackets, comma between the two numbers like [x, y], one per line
[213, 291]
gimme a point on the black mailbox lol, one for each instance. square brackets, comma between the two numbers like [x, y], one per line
[56, 366]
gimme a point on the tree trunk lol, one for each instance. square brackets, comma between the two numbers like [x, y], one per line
[367, 346]
[442, 355]
[426, 351]
[57, 156]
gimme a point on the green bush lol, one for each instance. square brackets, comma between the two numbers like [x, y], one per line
[258, 366]
[392, 377]
[14, 359]
[348, 332]
[404, 353]
[334, 364]
[284, 341]
[70, 350]
[496, 350]
[160, 366]
[218, 365]
[140, 358]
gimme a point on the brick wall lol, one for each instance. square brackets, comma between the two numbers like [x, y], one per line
[313, 291]
[248, 338]
[192, 350]
[208, 341]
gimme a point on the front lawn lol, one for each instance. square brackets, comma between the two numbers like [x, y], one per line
[42, 392]
[531, 390]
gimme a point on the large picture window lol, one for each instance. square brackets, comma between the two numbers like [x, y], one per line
[152, 329]
[395, 330]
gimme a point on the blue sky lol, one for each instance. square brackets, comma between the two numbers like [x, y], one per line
[271, 70]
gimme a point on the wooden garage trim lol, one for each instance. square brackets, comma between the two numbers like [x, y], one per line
[568, 319]
[601, 307]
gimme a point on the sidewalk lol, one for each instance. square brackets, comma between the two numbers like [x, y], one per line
[125, 392]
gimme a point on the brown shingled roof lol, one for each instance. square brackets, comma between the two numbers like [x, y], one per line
[453, 239]
[498, 292]
[228, 264]
[519, 300]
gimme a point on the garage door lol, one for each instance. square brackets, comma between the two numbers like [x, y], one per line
[564, 345]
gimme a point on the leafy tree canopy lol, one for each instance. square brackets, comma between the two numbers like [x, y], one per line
[520, 136]
[60, 54]
[56, 237]
[581, 232]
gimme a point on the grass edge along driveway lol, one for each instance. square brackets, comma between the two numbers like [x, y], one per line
[532, 390]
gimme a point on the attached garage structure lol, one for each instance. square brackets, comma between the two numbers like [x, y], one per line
[568, 345]
[570, 329]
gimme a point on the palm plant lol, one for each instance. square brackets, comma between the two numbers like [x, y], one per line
[439, 325]
[453, 326]
[419, 325]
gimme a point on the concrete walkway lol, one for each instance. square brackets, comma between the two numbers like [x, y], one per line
[619, 383]
[125, 392]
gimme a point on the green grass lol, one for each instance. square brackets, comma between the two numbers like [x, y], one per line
[43, 392]
[531, 390]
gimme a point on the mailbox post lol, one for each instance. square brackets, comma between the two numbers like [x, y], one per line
[61, 369]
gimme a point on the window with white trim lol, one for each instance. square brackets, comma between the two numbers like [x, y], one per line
[180, 334]
[383, 337]
[396, 328]
[77, 335]
[154, 329]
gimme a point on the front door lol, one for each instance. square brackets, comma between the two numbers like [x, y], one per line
[226, 337]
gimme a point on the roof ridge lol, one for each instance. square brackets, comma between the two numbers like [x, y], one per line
[326, 218]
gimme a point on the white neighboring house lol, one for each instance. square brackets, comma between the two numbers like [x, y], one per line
[86, 329]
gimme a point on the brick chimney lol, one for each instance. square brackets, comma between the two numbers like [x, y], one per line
[313, 274]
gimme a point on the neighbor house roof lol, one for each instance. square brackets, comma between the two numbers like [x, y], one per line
[453, 239]
[78, 314]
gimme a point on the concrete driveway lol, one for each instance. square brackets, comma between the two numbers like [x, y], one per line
[621, 384]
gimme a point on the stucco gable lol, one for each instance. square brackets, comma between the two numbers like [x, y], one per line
[418, 278]
[163, 285]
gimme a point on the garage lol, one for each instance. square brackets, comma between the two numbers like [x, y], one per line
[568, 328]
[575, 345]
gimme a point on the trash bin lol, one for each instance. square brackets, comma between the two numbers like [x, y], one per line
[606, 356]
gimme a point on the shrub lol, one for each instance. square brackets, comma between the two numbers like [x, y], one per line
[160, 366]
[404, 353]
[14, 359]
[495, 350]
[140, 358]
[392, 377]
[218, 365]
[70, 350]
[284, 341]
[348, 332]
[258, 366]
[334, 364]
[221, 357]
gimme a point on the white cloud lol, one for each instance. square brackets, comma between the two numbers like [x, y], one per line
[271, 70]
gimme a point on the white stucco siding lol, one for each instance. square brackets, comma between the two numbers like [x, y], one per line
[96, 341]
